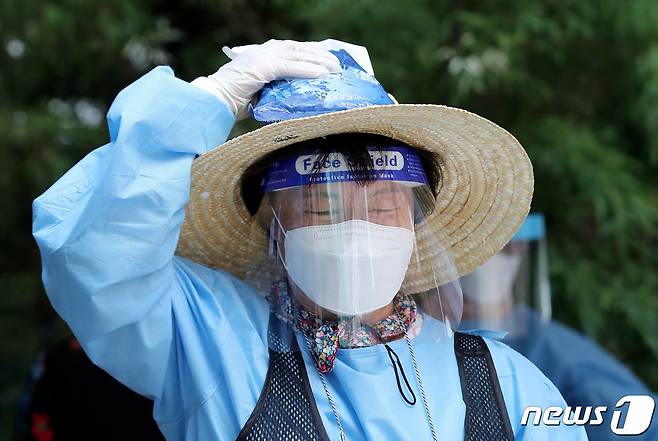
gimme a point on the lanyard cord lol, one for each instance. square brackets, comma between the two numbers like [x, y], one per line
[394, 361]
[327, 393]
[423, 395]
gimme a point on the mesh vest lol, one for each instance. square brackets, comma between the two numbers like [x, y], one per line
[286, 409]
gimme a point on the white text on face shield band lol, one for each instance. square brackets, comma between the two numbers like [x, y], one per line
[349, 268]
[335, 162]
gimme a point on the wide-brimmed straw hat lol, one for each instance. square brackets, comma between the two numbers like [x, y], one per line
[483, 197]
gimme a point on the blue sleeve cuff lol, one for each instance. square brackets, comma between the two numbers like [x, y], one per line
[178, 115]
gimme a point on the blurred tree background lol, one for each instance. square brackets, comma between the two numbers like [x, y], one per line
[575, 81]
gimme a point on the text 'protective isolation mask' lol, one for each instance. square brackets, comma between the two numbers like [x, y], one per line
[363, 264]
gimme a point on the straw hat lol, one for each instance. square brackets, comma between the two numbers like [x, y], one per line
[485, 193]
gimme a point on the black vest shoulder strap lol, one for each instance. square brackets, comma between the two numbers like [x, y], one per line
[286, 408]
[486, 413]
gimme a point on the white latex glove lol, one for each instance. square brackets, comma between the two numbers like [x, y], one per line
[253, 66]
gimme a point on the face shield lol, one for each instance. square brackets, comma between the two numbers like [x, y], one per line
[350, 247]
[499, 293]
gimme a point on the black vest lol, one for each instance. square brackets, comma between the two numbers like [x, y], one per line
[286, 409]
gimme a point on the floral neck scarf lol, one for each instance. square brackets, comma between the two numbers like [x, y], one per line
[328, 336]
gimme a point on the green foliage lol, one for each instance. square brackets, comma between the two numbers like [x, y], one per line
[575, 81]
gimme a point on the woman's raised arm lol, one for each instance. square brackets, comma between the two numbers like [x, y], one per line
[107, 230]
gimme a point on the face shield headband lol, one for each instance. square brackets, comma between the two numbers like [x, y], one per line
[394, 163]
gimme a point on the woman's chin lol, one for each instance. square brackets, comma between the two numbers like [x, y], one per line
[312, 307]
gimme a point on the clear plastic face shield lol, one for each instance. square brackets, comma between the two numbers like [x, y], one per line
[350, 248]
[499, 293]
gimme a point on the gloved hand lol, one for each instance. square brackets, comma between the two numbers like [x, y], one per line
[253, 66]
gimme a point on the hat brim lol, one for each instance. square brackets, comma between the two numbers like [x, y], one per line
[484, 195]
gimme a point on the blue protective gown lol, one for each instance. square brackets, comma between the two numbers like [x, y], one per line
[584, 372]
[193, 338]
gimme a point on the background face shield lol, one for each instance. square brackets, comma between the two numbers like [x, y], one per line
[501, 293]
[349, 251]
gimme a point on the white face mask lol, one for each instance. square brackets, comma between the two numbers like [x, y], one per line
[491, 283]
[348, 268]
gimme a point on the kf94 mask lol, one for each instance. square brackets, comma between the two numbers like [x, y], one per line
[348, 268]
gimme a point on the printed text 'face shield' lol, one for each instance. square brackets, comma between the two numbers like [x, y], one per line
[351, 248]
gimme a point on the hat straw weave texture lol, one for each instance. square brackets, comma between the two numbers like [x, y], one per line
[484, 195]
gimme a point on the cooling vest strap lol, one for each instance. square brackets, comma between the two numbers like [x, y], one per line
[486, 413]
[286, 408]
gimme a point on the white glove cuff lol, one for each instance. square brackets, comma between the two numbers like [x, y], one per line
[212, 86]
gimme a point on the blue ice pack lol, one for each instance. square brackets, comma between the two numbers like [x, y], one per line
[299, 97]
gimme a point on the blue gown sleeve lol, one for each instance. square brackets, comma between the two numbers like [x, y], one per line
[585, 373]
[107, 230]
[524, 385]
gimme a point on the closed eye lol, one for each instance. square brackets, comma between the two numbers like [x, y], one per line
[383, 210]
[321, 212]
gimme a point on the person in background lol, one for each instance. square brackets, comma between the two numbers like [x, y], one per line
[511, 293]
[71, 399]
